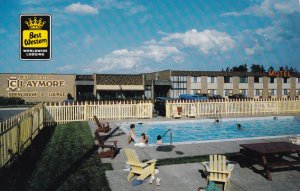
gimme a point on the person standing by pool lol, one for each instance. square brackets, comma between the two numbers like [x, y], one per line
[132, 136]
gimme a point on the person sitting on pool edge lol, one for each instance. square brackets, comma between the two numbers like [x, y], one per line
[131, 136]
[239, 126]
[143, 141]
[144, 138]
[159, 140]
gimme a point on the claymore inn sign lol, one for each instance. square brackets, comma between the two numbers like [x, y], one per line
[38, 87]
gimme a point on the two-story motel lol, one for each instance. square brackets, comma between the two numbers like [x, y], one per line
[167, 83]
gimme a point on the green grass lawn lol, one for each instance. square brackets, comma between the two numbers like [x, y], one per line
[70, 162]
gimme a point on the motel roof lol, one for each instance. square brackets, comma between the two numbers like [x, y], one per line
[119, 79]
[223, 73]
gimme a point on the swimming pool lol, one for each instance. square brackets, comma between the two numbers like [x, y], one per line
[207, 129]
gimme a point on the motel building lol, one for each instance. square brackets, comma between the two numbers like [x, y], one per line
[167, 83]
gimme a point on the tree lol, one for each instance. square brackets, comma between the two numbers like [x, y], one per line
[281, 68]
[257, 68]
[271, 68]
[227, 69]
[240, 68]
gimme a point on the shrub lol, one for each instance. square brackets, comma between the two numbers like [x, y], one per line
[11, 101]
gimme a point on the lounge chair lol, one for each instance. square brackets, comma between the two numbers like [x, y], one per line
[101, 126]
[108, 150]
[296, 141]
[192, 113]
[143, 170]
[175, 113]
[217, 170]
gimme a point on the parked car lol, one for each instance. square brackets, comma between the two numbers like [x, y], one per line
[68, 101]
[238, 96]
[216, 97]
[192, 97]
[160, 105]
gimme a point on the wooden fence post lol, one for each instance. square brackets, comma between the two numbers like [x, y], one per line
[85, 111]
[18, 135]
[119, 114]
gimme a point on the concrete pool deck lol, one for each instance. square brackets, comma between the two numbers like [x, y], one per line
[188, 176]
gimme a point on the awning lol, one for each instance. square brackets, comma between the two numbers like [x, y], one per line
[120, 87]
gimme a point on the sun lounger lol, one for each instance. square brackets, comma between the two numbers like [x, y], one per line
[295, 141]
[175, 113]
[192, 113]
[107, 150]
[217, 170]
[101, 126]
[143, 170]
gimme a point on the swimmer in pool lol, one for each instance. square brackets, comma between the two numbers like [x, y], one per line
[239, 126]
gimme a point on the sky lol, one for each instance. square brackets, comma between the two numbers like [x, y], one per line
[136, 36]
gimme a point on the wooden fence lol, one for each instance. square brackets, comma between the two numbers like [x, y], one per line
[104, 110]
[234, 107]
[17, 133]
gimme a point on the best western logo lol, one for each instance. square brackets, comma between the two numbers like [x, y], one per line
[35, 37]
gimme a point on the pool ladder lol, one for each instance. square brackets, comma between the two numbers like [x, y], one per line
[169, 130]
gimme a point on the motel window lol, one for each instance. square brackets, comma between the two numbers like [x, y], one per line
[211, 79]
[258, 79]
[196, 79]
[243, 79]
[272, 80]
[285, 92]
[272, 92]
[194, 91]
[284, 80]
[174, 78]
[182, 78]
[227, 92]
[298, 91]
[258, 92]
[244, 92]
[212, 92]
[227, 79]
[298, 80]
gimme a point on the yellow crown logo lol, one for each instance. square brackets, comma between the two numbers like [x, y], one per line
[35, 24]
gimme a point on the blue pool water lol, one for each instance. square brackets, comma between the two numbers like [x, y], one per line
[207, 129]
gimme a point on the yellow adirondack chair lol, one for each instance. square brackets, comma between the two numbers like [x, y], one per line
[217, 170]
[175, 113]
[137, 168]
[296, 141]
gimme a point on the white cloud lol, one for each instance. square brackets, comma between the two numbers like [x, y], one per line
[288, 7]
[137, 9]
[159, 53]
[269, 33]
[124, 59]
[67, 67]
[207, 41]
[269, 8]
[81, 9]
[88, 40]
[250, 51]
